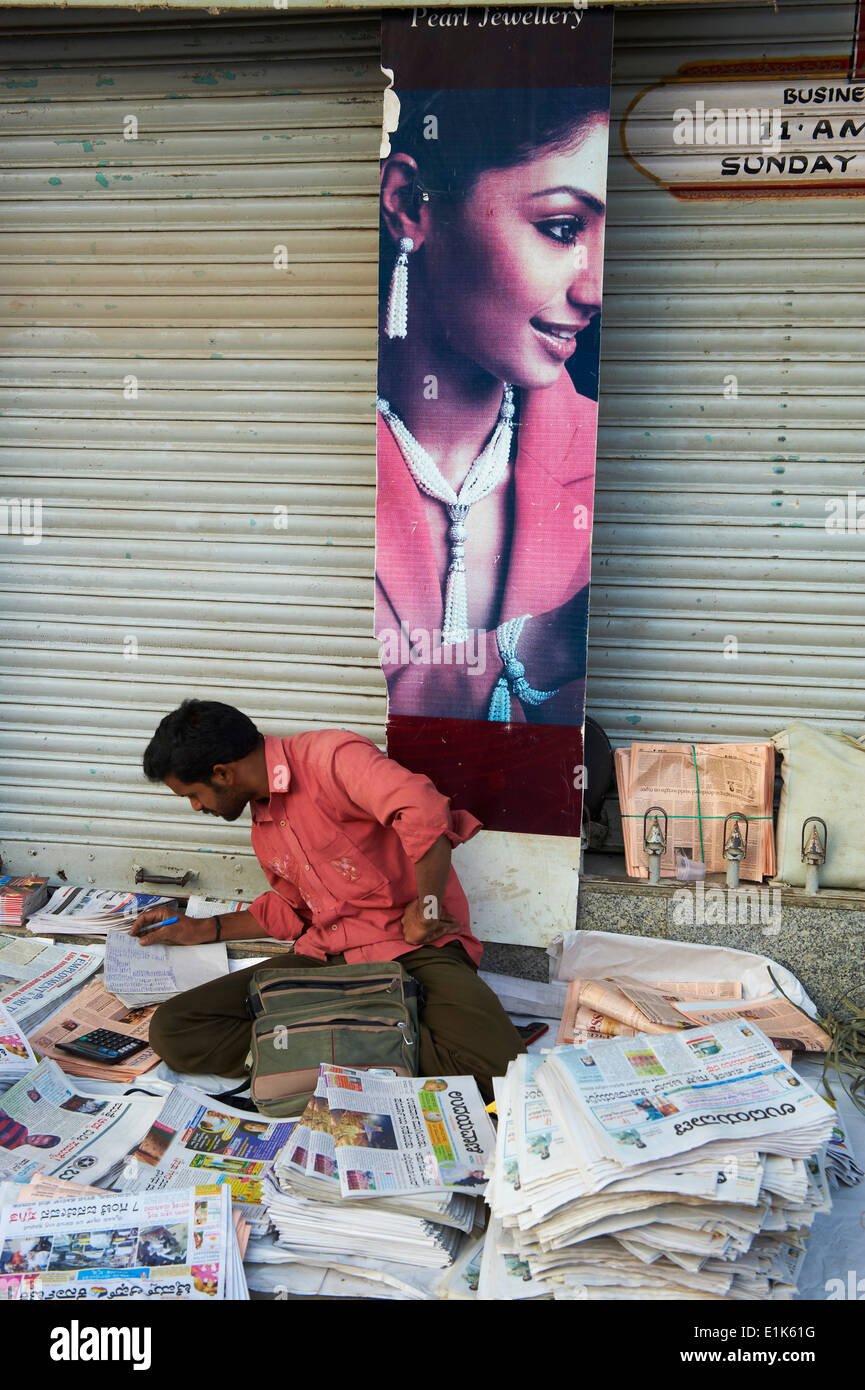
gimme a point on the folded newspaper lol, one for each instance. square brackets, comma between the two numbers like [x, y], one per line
[407, 1134]
[88, 1011]
[172, 1245]
[92, 911]
[698, 785]
[45, 1127]
[195, 1139]
[307, 1166]
[688, 1165]
[35, 975]
[622, 1006]
[16, 1054]
[422, 1227]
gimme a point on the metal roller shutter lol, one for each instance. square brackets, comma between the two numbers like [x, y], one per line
[165, 568]
[711, 512]
[255, 390]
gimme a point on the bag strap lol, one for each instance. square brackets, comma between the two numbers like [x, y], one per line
[239, 1102]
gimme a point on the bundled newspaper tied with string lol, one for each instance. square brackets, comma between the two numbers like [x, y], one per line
[35, 975]
[167, 1246]
[698, 785]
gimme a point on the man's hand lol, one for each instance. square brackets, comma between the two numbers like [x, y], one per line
[186, 931]
[419, 929]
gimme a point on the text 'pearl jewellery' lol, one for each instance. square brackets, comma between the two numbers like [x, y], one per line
[487, 471]
[396, 319]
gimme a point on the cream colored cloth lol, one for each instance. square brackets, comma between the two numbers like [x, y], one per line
[824, 775]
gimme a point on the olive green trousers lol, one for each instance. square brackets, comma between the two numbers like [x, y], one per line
[464, 1029]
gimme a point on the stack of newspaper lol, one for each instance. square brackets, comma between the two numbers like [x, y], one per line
[685, 1165]
[181, 1244]
[19, 897]
[35, 975]
[93, 1010]
[698, 785]
[16, 1056]
[92, 911]
[841, 1166]
[622, 1007]
[195, 1139]
[384, 1168]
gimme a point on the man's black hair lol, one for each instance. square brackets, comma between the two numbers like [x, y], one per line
[192, 739]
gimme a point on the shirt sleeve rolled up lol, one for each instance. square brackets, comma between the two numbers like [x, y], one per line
[277, 917]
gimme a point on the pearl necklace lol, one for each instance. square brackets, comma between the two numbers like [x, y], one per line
[487, 471]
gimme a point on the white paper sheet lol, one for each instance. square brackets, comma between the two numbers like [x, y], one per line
[148, 974]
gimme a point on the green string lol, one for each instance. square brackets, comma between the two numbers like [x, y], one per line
[846, 1055]
[699, 814]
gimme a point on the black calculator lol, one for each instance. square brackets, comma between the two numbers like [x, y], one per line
[104, 1046]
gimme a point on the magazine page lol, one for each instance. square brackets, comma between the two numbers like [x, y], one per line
[195, 1139]
[45, 1127]
[409, 1134]
[168, 1245]
[21, 895]
[653, 1097]
[94, 1008]
[35, 973]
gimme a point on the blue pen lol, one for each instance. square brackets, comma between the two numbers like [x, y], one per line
[154, 926]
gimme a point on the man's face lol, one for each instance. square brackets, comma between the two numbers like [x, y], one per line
[219, 797]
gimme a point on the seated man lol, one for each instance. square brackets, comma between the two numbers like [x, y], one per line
[357, 851]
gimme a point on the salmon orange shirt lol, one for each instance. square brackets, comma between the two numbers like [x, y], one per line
[338, 841]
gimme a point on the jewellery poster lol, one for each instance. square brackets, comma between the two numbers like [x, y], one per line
[492, 206]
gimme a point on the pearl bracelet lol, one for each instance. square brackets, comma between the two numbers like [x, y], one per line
[513, 681]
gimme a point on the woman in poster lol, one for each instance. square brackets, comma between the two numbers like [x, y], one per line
[492, 220]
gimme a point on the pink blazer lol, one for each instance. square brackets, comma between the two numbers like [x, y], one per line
[549, 558]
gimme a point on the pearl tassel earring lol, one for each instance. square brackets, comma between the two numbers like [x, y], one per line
[396, 319]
